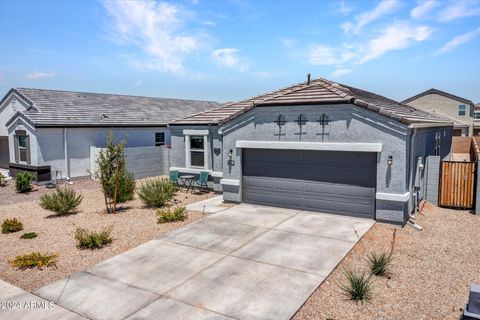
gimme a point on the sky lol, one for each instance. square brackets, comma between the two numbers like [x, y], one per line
[232, 50]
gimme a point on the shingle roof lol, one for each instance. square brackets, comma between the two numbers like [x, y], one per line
[439, 92]
[318, 91]
[68, 108]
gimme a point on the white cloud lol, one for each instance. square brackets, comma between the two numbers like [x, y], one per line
[459, 9]
[459, 40]
[423, 8]
[264, 74]
[156, 29]
[40, 75]
[228, 57]
[320, 54]
[341, 72]
[383, 8]
[394, 37]
[344, 9]
[347, 27]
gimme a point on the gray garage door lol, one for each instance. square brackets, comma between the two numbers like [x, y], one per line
[324, 181]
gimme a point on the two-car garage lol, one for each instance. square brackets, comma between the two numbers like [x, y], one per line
[325, 181]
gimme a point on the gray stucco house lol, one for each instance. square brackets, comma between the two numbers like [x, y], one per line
[454, 108]
[319, 146]
[50, 130]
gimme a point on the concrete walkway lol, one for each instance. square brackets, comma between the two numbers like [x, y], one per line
[212, 205]
[17, 304]
[246, 262]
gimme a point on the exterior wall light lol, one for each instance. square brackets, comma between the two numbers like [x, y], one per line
[230, 161]
[390, 160]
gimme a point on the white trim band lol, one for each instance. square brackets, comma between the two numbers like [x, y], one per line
[393, 196]
[193, 132]
[230, 182]
[215, 174]
[320, 146]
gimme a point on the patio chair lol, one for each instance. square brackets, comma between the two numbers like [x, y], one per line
[174, 178]
[202, 181]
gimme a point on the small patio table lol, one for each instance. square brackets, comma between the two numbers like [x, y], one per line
[188, 182]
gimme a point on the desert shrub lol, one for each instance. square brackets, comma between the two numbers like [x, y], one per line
[358, 286]
[28, 235]
[167, 215]
[118, 185]
[11, 225]
[93, 239]
[23, 182]
[155, 193]
[63, 200]
[3, 180]
[379, 262]
[34, 259]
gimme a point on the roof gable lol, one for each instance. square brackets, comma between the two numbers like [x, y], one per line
[317, 92]
[441, 93]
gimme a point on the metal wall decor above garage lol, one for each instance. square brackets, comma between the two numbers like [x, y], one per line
[324, 181]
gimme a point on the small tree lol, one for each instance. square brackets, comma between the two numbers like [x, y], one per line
[118, 185]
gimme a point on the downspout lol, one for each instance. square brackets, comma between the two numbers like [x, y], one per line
[210, 136]
[412, 169]
[413, 174]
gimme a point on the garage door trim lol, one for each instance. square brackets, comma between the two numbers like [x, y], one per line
[319, 146]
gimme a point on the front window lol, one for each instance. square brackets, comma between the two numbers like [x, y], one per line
[197, 151]
[159, 139]
[22, 148]
[462, 110]
[476, 115]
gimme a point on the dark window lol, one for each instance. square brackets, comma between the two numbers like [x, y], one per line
[197, 151]
[196, 142]
[159, 139]
[197, 159]
[462, 110]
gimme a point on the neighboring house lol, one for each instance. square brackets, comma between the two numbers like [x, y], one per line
[459, 110]
[476, 120]
[54, 130]
[318, 146]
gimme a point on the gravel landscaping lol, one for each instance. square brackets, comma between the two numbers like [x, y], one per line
[132, 226]
[8, 195]
[429, 276]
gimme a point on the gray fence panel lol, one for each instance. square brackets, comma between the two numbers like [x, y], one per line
[432, 179]
[143, 162]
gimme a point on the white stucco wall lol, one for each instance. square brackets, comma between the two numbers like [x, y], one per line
[79, 140]
[19, 124]
[7, 110]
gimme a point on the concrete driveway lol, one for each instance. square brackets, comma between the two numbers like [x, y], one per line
[246, 262]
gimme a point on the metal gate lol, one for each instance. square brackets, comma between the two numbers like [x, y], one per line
[457, 184]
